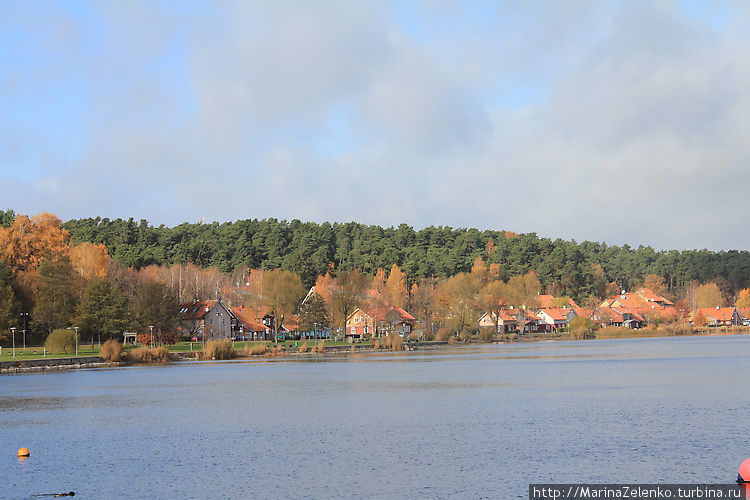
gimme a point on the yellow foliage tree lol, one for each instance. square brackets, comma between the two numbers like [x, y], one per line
[395, 287]
[708, 295]
[90, 260]
[743, 299]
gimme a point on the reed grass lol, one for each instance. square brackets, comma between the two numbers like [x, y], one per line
[111, 350]
[144, 355]
[218, 349]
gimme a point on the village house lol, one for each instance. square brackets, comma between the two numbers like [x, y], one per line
[617, 316]
[206, 319]
[377, 322]
[744, 313]
[505, 323]
[719, 316]
[257, 324]
[554, 318]
[545, 301]
[643, 298]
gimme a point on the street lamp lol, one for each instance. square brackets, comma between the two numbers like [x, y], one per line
[13, 334]
[76, 329]
[152, 335]
[25, 317]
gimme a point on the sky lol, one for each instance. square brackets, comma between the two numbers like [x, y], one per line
[623, 122]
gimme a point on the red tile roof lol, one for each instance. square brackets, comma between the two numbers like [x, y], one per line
[718, 313]
[556, 313]
[248, 320]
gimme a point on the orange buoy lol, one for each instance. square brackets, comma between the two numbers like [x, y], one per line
[24, 452]
[744, 471]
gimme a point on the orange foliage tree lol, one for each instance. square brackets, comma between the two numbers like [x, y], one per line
[28, 241]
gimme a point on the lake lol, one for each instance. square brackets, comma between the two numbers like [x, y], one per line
[466, 422]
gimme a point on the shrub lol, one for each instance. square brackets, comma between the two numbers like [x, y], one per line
[486, 333]
[444, 334]
[145, 355]
[61, 340]
[303, 347]
[582, 328]
[218, 349]
[464, 335]
[677, 329]
[111, 350]
[257, 350]
[320, 348]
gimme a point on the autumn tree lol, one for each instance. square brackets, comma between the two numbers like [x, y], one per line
[708, 295]
[523, 290]
[743, 298]
[27, 242]
[459, 297]
[582, 327]
[57, 295]
[700, 319]
[656, 283]
[423, 303]
[90, 260]
[492, 298]
[280, 294]
[378, 281]
[598, 281]
[560, 302]
[346, 293]
[103, 310]
[396, 292]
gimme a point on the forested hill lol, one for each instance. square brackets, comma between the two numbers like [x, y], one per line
[309, 249]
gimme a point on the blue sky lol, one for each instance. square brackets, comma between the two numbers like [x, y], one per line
[613, 121]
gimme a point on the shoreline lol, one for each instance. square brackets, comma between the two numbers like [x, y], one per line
[87, 362]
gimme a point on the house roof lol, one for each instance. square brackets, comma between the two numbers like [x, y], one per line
[404, 316]
[196, 310]
[252, 319]
[651, 296]
[381, 314]
[546, 301]
[617, 314]
[556, 313]
[247, 318]
[718, 313]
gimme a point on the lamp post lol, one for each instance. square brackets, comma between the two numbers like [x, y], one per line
[76, 329]
[152, 335]
[13, 334]
[315, 330]
[25, 317]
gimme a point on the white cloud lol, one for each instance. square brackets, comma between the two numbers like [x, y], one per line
[335, 111]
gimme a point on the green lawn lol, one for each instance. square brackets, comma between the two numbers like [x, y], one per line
[88, 350]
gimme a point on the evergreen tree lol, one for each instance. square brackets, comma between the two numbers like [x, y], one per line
[102, 310]
[57, 296]
[313, 315]
[154, 305]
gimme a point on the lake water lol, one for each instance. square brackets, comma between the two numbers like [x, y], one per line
[467, 422]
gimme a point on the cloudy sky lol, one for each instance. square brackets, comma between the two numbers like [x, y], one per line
[625, 122]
